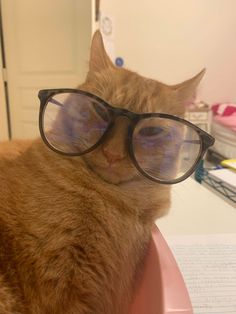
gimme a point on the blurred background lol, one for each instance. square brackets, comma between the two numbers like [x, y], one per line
[45, 44]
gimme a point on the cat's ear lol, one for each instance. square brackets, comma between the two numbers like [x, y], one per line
[99, 59]
[185, 92]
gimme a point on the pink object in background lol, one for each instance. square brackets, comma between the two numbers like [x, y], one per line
[224, 109]
[225, 114]
[161, 289]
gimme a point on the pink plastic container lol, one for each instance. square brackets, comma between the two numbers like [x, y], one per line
[162, 289]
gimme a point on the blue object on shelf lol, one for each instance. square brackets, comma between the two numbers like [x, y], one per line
[199, 173]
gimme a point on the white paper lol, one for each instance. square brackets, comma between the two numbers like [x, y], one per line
[208, 265]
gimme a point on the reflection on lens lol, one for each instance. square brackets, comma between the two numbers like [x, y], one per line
[73, 123]
[165, 149]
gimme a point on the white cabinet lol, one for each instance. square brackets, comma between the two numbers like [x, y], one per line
[46, 45]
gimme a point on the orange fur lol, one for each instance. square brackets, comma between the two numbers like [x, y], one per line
[73, 231]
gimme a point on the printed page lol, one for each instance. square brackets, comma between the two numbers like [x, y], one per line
[208, 265]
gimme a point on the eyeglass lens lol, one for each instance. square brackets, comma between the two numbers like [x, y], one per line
[164, 148]
[74, 123]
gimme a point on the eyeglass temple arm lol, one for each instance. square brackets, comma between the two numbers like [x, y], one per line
[192, 141]
[56, 102]
[208, 144]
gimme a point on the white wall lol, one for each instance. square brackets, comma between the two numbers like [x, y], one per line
[171, 40]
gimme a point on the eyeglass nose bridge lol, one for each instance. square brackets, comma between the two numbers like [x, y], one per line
[118, 112]
[132, 117]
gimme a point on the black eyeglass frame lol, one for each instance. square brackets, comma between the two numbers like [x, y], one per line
[206, 140]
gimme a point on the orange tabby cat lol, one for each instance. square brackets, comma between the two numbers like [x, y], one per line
[74, 230]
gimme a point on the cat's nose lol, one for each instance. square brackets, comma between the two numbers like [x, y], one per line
[112, 156]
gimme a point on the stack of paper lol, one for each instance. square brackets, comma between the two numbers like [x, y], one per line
[226, 176]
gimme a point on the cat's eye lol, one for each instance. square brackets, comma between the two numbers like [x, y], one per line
[151, 131]
[163, 148]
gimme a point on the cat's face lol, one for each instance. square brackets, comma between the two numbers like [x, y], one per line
[125, 89]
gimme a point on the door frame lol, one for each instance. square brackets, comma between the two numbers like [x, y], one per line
[3, 105]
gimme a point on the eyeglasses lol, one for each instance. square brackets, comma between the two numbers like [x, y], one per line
[163, 147]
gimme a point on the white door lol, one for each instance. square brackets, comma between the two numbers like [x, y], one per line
[46, 46]
[3, 111]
